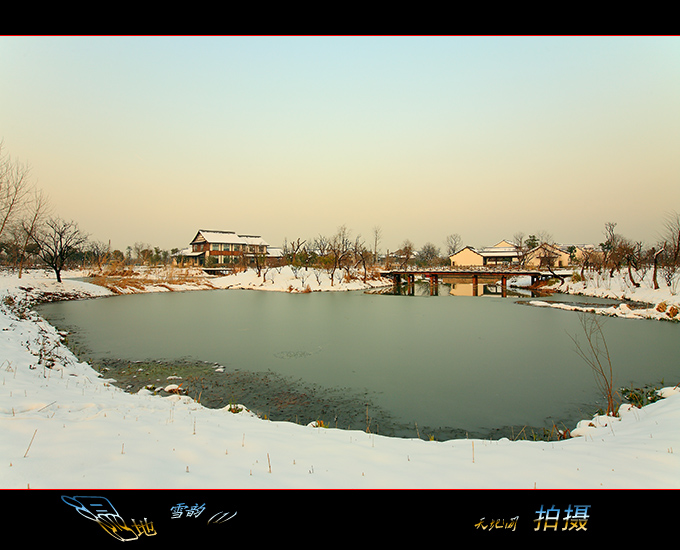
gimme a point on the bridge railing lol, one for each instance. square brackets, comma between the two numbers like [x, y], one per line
[467, 269]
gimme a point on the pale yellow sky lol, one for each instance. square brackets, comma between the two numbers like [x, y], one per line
[147, 139]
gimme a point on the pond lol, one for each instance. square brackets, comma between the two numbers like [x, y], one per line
[440, 366]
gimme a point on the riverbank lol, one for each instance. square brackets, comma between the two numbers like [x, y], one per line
[65, 426]
[275, 279]
[637, 302]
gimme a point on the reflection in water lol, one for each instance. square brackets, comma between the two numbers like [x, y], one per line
[452, 365]
[461, 288]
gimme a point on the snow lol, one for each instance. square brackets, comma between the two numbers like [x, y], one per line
[63, 425]
[649, 303]
[276, 279]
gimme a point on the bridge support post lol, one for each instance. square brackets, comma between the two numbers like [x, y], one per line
[434, 284]
[475, 288]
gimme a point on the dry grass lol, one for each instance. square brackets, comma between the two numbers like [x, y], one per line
[124, 280]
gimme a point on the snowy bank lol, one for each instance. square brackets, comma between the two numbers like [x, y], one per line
[278, 279]
[64, 426]
[638, 302]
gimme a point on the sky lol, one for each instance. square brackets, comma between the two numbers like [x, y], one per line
[149, 139]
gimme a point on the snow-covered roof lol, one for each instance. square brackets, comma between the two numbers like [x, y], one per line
[498, 251]
[228, 237]
[503, 244]
[218, 237]
[471, 248]
[254, 240]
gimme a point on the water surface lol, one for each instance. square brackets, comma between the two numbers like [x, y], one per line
[446, 366]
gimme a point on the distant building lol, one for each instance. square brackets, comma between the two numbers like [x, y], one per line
[466, 256]
[502, 253]
[548, 255]
[275, 256]
[505, 253]
[224, 249]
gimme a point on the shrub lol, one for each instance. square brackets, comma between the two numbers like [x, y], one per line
[596, 355]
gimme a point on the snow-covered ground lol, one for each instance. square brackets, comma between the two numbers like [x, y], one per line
[63, 426]
[649, 303]
[277, 279]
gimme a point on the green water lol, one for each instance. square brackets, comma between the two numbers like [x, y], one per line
[446, 366]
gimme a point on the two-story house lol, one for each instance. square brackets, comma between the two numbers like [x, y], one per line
[224, 248]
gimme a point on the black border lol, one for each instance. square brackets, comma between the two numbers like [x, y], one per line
[320, 516]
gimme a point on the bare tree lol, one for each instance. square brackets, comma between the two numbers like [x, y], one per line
[596, 355]
[339, 251]
[362, 255]
[545, 238]
[11, 245]
[523, 246]
[546, 256]
[98, 253]
[654, 253]
[321, 245]
[38, 208]
[631, 253]
[610, 259]
[260, 259]
[405, 253]
[672, 237]
[143, 252]
[670, 258]
[294, 253]
[428, 255]
[377, 237]
[585, 261]
[452, 243]
[292, 249]
[14, 189]
[520, 247]
[58, 241]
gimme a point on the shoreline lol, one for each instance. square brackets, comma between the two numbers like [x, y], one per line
[85, 432]
[620, 310]
[642, 303]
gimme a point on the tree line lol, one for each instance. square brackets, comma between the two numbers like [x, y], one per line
[344, 254]
[614, 254]
[617, 254]
[31, 234]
